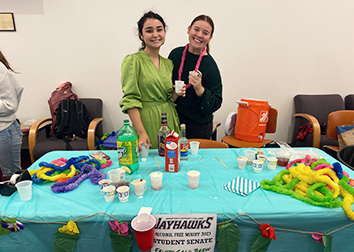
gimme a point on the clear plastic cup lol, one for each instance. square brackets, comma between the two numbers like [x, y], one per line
[283, 158]
[144, 151]
[194, 147]
[114, 175]
[139, 186]
[178, 86]
[250, 154]
[24, 188]
[193, 179]
[156, 180]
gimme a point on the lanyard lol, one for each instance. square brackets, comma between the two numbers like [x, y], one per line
[180, 70]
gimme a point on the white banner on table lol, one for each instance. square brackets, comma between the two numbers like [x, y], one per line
[185, 233]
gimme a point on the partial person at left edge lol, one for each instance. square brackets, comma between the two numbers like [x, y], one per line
[10, 130]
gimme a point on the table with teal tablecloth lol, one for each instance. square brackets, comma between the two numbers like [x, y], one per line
[175, 197]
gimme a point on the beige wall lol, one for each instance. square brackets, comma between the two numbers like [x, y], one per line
[270, 49]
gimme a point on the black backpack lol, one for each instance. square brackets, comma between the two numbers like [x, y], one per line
[72, 120]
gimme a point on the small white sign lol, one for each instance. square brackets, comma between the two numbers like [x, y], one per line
[185, 233]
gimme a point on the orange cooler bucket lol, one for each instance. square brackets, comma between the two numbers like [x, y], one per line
[252, 118]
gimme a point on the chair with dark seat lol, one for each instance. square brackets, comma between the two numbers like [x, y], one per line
[208, 144]
[337, 118]
[346, 156]
[214, 131]
[349, 102]
[40, 142]
[315, 109]
[271, 128]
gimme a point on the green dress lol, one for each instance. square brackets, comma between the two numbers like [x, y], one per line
[150, 90]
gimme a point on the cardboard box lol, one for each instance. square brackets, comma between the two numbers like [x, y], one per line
[172, 152]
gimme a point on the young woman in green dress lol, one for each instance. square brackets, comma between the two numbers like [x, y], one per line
[146, 83]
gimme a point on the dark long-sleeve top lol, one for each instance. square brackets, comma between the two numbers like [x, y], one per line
[198, 109]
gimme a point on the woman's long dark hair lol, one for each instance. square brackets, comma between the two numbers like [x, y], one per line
[142, 21]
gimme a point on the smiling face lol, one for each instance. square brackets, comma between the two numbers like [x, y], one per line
[200, 34]
[153, 34]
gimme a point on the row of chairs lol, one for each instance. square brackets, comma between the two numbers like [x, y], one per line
[313, 108]
[40, 142]
[316, 109]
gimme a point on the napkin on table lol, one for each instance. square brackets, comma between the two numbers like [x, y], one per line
[241, 186]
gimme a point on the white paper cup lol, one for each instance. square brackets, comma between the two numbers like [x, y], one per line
[242, 162]
[193, 179]
[109, 192]
[144, 151]
[139, 186]
[178, 86]
[24, 188]
[258, 165]
[250, 154]
[262, 157]
[103, 183]
[272, 163]
[156, 180]
[194, 147]
[123, 193]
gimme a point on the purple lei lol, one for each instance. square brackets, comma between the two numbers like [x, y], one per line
[69, 185]
[13, 227]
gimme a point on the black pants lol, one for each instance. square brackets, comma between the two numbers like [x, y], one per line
[198, 130]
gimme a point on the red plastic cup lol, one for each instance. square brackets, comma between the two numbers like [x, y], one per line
[144, 230]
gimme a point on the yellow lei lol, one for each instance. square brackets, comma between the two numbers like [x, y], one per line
[41, 173]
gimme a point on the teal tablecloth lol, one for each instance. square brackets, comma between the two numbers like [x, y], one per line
[174, 197]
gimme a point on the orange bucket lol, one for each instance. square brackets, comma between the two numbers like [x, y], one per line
[252, 118]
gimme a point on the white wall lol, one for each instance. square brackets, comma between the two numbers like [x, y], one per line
[265, 49]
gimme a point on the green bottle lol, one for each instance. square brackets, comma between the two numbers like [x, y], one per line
[127, 145]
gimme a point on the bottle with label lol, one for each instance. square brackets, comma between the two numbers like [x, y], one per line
[162, 133]
[183, 144]
[127, 146]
